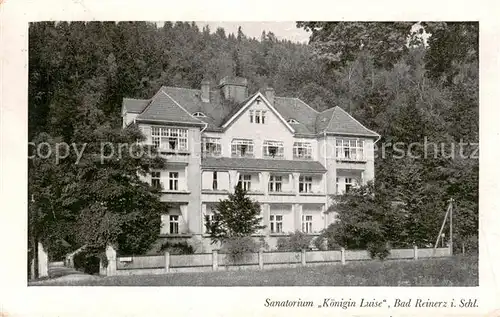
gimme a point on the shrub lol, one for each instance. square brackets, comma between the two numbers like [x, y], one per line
[238, 248]
[328, 236]
[177, 248]
[87, 261]
[295, 242]
[380, 250]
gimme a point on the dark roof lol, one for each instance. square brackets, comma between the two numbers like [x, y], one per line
[262, 164]
[343, 123]
[135, 105]
[293, 108]
[164, 108]
[172, 104]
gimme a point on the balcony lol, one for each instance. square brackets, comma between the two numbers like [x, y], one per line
[176, 157]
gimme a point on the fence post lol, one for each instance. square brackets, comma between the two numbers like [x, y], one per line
[214, 260]
[111, 257]
[342, 256]
[303, 257]
[415, 252]
[43, 261]
[167, 261]
[261, 259]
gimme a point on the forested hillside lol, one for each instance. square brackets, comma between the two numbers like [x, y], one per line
[380, 73]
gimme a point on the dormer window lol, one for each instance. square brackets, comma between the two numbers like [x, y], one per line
[199, 114]
[293, 121]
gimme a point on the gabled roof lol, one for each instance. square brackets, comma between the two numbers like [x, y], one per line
[164, 108]
[173, 104]
[246, 103]
[262, 164]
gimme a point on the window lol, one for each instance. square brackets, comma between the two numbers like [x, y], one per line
[348, 184]
[170, 139]
[275, 183]
[302, 150]
[174, 224]
[241, 148]
[273, 149]
[337, 186]
[155, 179]
[307, 223]
[349, 149]
[305, 184]
[245, 181]
[293, 121]
[208, 220]
[173, 181]
[214, 181]
[258, 116]
[211, 146]
[199, 114]
[276, 223]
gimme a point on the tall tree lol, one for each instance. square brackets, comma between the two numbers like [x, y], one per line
[235, 217]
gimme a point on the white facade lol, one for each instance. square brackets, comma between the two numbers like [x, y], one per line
[258, 149]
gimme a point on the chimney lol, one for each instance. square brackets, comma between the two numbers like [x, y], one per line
[269, 94]
[234, 88]
[205, 90]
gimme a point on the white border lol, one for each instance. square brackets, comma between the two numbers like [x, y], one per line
[17, 299]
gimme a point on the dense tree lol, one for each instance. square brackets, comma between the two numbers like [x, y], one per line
[235, 217]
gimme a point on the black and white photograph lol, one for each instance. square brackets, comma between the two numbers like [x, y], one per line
[296, 153]
[249, 158]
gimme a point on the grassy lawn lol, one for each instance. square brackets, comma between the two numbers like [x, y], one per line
[454, 271]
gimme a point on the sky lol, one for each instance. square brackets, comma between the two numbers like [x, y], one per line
[282, 30]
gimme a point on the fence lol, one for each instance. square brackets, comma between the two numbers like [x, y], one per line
[215, 261]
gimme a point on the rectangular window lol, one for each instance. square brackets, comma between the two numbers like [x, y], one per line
[208, 220]
[169, 139]
[214, 181]
[275, 183]
[305, 184]
[211, 147]
[245, 182]
[307, 223]
[155, 180]
[349, 149]
[174, 224]
[348, 184]
[257, 116]
[173, 181]
[241, 148]
[273, 149]
[276, 223]
[302, 150]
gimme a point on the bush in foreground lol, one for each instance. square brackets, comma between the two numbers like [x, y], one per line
[295, 242]
[177, 248]
[239, 248]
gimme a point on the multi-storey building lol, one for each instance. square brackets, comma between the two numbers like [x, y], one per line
[286, 155]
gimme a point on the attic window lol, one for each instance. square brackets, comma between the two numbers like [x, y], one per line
[293, 121]
[199, 114]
